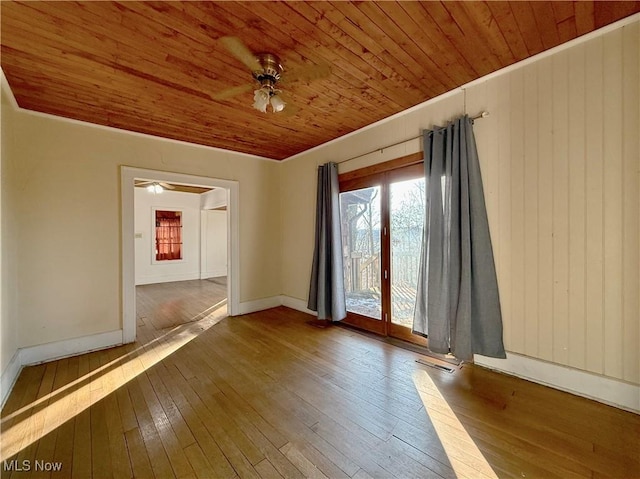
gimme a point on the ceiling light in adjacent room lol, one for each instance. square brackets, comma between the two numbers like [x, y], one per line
[155, 188]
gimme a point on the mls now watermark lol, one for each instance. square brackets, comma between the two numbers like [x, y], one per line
[28, 465]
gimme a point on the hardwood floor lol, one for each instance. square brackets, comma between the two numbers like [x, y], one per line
[266, 395]
[169, 304]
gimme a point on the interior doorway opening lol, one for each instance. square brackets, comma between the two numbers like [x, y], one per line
[198, 273]
[181, 253]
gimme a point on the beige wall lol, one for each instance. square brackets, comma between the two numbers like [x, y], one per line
[8, 237]
[560, 159]
[68, 221]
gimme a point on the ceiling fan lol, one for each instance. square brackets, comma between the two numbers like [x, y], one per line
[155, 187]
[267, 70]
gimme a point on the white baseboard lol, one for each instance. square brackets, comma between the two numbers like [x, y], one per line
[55, 350]
[69, 347]
[247, 307]
[607, 390]
[297, 304]
[9, 376]
[216, 273]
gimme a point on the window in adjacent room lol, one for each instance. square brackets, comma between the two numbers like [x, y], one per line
[168, 235]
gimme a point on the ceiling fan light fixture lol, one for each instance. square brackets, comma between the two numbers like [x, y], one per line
[268, 75]
[266, 95]
[277, 103]
[261, 99]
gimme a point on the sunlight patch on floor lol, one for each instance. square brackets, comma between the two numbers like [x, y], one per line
[54, 409]
[463, 454]
[209, 311]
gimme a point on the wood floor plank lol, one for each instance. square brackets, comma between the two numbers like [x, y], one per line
[172, 412]
[329, 459]
[260, 432]
[199, 463]
[354, 447]
[326, 464]
[157, 455]
[271, 453]
[63, 453]
[228, 383]
[167, 305]
[47, 444]
[430, 445]
[24, 392]
[119, 401]
[267, 470]
[34, 407]
[120, 461]
[177, 458]
[102, 464]
[298, 459]
[362, 474]
[81, 465]
[266, 395]
[221, 450]
[137, 452]
[440, 469]
[349, 404]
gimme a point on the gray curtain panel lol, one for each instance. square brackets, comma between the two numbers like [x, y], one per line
[457, 305]
[326, 294]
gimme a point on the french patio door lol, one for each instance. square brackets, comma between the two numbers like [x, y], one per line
[382, 218]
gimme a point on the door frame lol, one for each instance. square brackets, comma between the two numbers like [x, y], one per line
[128, 175]
[383, 175]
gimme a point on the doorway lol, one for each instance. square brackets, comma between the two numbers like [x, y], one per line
[128, 177]
[382, 219]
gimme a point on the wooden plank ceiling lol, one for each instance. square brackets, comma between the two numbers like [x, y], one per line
[156, 67]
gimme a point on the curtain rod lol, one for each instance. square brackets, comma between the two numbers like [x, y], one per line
[482, 114]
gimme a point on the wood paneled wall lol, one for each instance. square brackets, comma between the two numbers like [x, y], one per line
[560, 157]
[560, 154]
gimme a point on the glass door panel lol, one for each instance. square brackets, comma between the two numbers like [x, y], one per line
[382, 216]
[361, 226]
[406, 207]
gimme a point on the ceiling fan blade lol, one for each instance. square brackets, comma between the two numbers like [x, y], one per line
[167, 186]
[308, 73]
[233, 91]
[239, 50]
[142, 183]
[290, 108]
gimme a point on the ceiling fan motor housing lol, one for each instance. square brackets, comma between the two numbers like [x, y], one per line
[270, 71]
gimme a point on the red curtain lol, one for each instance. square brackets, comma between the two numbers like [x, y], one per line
[168, 235]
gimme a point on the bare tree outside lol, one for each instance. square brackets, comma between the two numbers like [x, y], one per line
[407, 199]
[361, 241]
[360, 211]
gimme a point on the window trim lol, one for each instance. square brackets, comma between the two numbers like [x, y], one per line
[351, 179]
